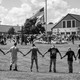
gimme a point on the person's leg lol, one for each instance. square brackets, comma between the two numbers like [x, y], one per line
[79, 60]
[15, 63]
[10, 67]
[36, 62]
[54, 63]
[32, 61]
[71, 66]
[11, 63]
[50, 65]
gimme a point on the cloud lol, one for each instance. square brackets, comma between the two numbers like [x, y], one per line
[56, 10]
[3, 12]
[18, 15]
[74, 11]
[0, 1]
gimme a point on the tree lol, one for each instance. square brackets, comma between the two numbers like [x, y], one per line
[11, 30]
[30, 28]
[50, 22]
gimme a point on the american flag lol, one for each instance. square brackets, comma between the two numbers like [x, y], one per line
[39, 13]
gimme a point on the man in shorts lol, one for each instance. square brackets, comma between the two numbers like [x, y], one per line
[53, 54]
[70, 54]
[34, 57]
[14, 51]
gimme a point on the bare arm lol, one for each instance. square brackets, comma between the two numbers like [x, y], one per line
[2, 51]
[64, 56]
[21, 52]
[60, 54]
[77, 54]
[7, 51]
[40, 53]
[28, 52]
[74, 56]
[45, 53]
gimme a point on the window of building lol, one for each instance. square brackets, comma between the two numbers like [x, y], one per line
[68, 24]
[62, 33]
[67, 32]
[73, 23]
[73, 32]
[64, 24]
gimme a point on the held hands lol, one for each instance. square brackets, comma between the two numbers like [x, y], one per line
[61, 57]
[42, 55]
[24, 55]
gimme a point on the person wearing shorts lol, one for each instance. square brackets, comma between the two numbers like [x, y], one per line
[14, 51]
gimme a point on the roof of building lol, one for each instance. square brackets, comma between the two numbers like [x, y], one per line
[49, 26]
[5, 28]
[75, 16]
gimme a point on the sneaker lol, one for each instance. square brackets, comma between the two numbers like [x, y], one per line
[15, 70]
[31, 70]
[50, 70]
[10, 68]
[37, 71]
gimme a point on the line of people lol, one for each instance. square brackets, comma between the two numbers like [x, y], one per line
[34, 57]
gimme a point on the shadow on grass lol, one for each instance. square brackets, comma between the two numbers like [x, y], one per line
[44, 72]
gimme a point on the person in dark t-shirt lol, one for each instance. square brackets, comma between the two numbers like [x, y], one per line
[53, 54]
[70, 54]
[34, 57]
[78, 54]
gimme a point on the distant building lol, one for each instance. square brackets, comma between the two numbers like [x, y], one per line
[69, 24]
[5, 28]
[49, 27]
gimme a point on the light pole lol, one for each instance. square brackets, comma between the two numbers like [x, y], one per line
[46, 17]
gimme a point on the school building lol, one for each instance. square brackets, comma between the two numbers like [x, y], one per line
[4, 28]
[69, 24]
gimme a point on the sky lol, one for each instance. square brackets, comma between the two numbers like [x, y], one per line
[15, 12]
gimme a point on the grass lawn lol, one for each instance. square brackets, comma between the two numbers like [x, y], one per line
[43, 74]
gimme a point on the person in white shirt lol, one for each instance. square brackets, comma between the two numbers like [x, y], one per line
[14, 51]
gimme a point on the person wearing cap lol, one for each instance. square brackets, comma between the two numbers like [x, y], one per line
[14, 51]
[34, 57]
[53, 54]
[70, 54]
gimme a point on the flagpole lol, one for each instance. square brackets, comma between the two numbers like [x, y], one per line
[46, 16]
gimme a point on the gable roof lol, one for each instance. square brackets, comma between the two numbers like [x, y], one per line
[5, 28]
[75, 16]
